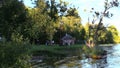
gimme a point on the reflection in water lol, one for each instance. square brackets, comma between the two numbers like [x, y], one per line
[90, 63]
[112, 60]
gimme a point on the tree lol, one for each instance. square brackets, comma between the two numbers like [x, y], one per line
[114, 32]
[100, 15]
[109, 37]
[71, 24]
[40, 23]
[51, 19]
[13, 16]
[45, 17]
[50, 9]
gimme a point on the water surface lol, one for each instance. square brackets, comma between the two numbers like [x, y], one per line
[112, 61]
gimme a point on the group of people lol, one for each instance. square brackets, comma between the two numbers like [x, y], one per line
[51, 42]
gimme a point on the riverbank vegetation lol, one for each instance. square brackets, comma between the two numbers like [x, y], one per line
[47, 22]
[24, 31]
[21, 55]
[14, 55]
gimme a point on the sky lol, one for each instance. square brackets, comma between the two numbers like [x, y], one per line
[87, 5]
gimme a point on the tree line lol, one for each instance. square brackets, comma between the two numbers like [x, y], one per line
[48, 20]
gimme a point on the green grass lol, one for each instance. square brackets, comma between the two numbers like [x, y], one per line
[13, 52]
[55, 49]
[55, 53]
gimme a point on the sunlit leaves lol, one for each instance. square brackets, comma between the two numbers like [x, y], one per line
[99, 16]
[72, 12]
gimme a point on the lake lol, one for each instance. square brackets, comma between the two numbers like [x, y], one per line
[112, 61]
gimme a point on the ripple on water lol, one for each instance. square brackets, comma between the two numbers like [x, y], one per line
[114, 58]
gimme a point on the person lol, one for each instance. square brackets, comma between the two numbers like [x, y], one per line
[52, 42]
[47, 42]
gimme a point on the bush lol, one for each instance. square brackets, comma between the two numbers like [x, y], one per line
[14, 55]
[92, 51]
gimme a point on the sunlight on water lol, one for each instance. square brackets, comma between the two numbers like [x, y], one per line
[113, 60]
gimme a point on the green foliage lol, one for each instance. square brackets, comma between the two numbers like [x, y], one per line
[55, 53]
[13, 16]
[71, 23]
[92, 51]
[114, 32]
[49, 20]
[55, 50]
[109, 36]
[46, 18]
[16, 37]
[72, 12]
[105, 35]
[14, 55]
[96, 28]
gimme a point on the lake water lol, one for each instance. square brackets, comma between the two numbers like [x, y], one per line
[112, 61]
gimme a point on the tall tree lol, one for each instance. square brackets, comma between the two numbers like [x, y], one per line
[71, 23]
[13, 15]
[46, 17]
[100, 15]
[114, 32]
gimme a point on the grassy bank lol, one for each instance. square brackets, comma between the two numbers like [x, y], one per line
[18, 54]
[54, 53]
[55, 50]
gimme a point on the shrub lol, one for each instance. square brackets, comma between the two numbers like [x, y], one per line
[92, 51]
[14, 55]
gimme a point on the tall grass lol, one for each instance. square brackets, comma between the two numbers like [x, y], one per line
[56, 49]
